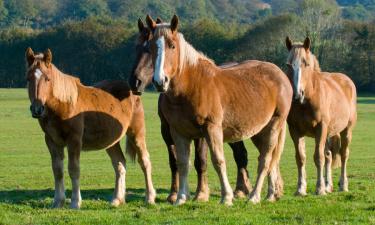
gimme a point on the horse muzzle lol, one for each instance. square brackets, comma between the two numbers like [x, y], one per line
[163, 86]
[299, 97]
[37, 110]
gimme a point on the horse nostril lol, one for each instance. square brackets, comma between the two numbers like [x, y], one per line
[166, 79]
[138, 83]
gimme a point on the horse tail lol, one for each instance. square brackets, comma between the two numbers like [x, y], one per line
[334, 145]
[130, 147]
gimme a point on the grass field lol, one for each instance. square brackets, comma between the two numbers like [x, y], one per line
[26, 181]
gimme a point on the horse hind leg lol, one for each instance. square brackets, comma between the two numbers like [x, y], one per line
[266, 142]
[202, 193]
[346, 137]
[243, 185]
[118, 163]
[137, 142]
[332, 147]
[275, 180]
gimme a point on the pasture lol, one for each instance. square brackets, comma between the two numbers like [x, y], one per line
[26, 181]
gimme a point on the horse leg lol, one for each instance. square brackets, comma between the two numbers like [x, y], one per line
[183, 155]
[172, 160]
[266, 142]
[74, 150]
[118, 163]
[275, 181]
[332, 146]
[300, 155]
[214, 139]
[319, 157]
[57, 157]
[138, 142]
[200, 163]
[346, 137]
[243, 186]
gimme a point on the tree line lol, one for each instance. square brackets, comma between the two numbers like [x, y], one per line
[97, 47]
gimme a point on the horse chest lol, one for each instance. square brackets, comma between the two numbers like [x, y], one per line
[304, 118]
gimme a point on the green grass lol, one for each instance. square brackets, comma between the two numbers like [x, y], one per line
[26, 181]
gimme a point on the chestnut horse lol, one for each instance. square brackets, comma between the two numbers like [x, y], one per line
[324, 107]
[86, 118]
[141, 77]
[201, 99]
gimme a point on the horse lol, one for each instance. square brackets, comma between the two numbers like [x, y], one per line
[249, 100]
[141, 77]
[324, 107]
[85, 118]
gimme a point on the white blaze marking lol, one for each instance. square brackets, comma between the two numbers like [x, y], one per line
[297, 72]
[38, 74]
[159, 65]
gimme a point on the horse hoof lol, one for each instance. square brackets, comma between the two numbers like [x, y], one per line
[240, 193]
[320, 192]
[172, 198]
[75, 205]
[329, 188]
[58, 204]
[300, 193]
[180, 201]
[150, 198]
[255, 199]
[343, 189]
[271, 198]
[116, 202]
[201, 197]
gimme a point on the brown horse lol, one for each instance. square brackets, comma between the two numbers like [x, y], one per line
[324, 107]
[86, 118]
[201, 99]
[141, 77]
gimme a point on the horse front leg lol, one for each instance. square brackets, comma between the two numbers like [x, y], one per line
[243, 186]
[300, 155]
[202, 193]
[118, 163]
[57, 157]
[74, 151]
[182, 159]
[214, 138]
[319, 157]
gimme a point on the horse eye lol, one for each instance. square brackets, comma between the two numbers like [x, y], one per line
[171, 46]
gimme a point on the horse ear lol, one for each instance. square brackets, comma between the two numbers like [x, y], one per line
[159, 21]
[141, 26]
[307, 43]
[150, 22]
[288, 43]
[29, 55]
[48, 57]
[174, 23]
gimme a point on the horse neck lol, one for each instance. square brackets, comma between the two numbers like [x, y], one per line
[313, 78]
[54, 104]
[191, 78]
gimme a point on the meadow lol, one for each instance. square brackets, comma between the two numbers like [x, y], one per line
[26, 181]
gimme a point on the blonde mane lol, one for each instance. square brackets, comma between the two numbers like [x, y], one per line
[188, 54]
[64, 87]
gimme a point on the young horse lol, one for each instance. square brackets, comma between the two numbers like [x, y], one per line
[324, 107]
[85, 118]
[141, 77]
[203, 100]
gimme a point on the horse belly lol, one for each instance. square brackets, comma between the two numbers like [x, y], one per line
[101, 131]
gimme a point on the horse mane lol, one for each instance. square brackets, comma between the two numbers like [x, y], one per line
[64, 86]
[188, 54]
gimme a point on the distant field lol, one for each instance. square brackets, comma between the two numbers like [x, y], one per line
[26, 181]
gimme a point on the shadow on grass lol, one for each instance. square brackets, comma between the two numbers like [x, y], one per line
[38, 198]
[366, 101]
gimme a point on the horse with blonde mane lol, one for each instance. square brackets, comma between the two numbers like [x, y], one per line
[324, 107]
[141, 77]
[86, 118]
[251, 99]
